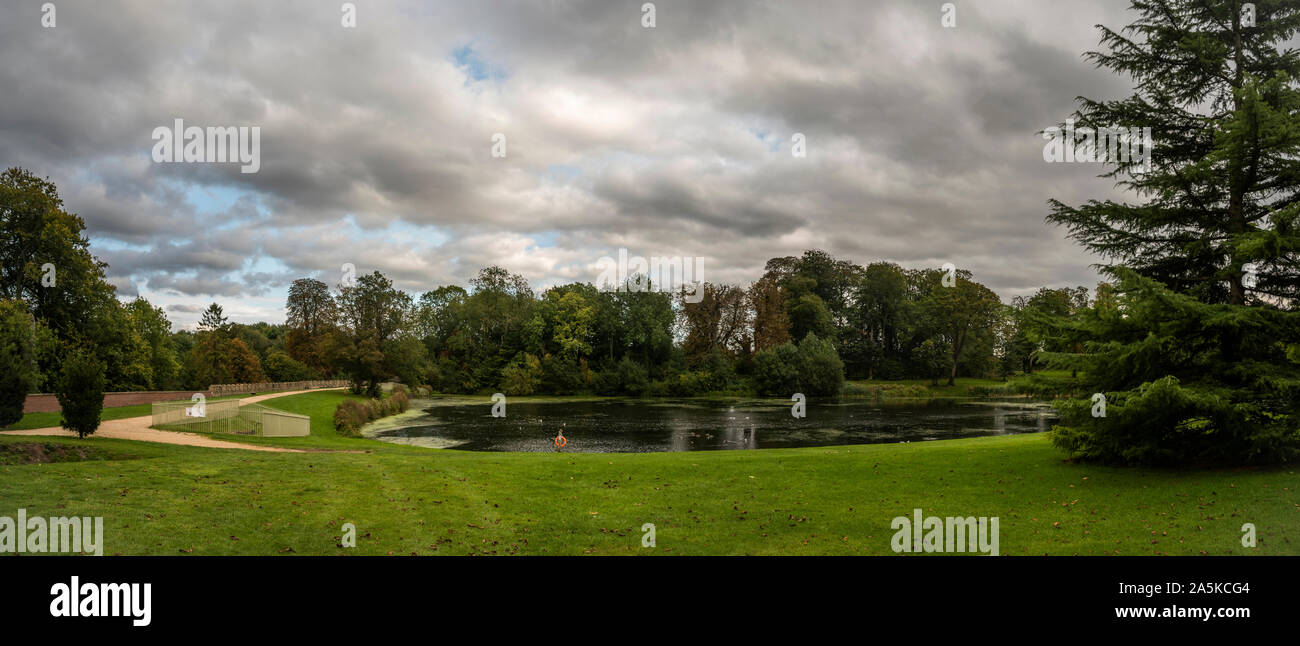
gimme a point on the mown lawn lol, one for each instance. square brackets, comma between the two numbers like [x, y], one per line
[919, 387]
[962, 387]
[176, 500]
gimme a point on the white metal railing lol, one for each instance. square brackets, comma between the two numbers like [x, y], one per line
[227, 416]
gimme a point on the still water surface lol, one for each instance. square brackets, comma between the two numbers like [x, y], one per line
[642, 426]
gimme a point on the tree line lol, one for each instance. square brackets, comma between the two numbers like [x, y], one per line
[806, 325]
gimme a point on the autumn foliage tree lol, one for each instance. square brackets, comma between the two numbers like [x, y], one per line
[312, 316]
[218, 358]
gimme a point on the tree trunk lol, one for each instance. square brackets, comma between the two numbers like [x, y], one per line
[957, 341]
[1237, 184]
[1236, 288]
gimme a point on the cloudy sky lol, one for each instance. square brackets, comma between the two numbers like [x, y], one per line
[376, 141]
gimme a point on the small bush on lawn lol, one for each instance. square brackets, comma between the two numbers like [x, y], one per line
[81, 392]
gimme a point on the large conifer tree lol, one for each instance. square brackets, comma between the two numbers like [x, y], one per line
[1196, 355]
[1217, 87]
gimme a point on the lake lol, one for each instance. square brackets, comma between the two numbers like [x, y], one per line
[643, 425]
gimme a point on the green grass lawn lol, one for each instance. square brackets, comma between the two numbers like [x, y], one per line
[962, 387]
[173, 500]
[920, 387]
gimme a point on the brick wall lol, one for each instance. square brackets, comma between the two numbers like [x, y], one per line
[240, 389]
[48, 403]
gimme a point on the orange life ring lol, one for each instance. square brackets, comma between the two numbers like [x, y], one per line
[560, 442]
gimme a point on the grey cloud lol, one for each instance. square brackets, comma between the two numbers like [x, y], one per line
[673, 140]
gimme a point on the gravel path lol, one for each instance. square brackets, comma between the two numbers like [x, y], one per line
[137, 428]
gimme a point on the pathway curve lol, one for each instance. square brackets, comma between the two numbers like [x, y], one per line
[137, 428]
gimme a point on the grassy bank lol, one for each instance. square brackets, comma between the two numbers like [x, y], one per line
[919, 388]
[173, 500]
[1041, 383]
